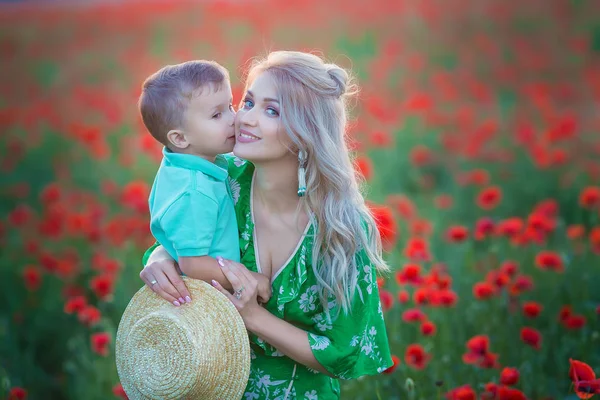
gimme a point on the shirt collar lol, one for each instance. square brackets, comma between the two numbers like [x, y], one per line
[217, 170]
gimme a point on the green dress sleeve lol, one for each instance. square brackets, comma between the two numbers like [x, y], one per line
[148, 252]
[356, 343]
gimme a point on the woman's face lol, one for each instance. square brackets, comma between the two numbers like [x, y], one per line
[259, 133]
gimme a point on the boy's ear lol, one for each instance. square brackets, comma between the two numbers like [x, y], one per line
[177, 139]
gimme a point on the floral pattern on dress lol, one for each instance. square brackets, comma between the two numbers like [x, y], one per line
[234, 188]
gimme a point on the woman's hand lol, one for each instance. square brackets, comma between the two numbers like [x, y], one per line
[245, 289]
[163, 277]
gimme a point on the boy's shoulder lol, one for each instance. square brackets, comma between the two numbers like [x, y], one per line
[171, 183]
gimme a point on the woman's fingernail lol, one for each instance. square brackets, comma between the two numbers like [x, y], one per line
[176, 303]
[214, 283]
[181, 300]
[220, 261]
[187, 299]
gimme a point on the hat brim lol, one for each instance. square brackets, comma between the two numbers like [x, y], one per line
[199, 350]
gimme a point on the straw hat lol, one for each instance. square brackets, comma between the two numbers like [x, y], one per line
[199, 350]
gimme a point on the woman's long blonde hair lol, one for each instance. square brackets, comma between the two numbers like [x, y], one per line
[313, 96]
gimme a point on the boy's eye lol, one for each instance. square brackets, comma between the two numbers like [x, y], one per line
[217, 115]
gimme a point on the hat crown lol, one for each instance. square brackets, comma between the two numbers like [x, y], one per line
[198, 350]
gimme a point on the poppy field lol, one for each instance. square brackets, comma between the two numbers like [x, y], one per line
[476, 133]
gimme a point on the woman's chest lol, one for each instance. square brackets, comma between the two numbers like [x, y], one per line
[276, 241]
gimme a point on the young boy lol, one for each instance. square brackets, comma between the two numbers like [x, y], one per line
[188, 108]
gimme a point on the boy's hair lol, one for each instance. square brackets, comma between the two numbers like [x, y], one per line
[167, 93]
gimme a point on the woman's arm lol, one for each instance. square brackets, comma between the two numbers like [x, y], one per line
[285, 337]
[290, 340]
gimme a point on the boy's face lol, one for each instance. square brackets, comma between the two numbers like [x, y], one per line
[208, 122]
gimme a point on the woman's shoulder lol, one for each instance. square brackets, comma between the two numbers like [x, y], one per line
[238, 169]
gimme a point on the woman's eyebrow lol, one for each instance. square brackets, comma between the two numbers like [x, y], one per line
[266, 99]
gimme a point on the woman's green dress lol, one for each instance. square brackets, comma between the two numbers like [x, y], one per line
[348, 346]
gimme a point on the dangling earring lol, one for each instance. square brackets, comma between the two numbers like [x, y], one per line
[301, 173]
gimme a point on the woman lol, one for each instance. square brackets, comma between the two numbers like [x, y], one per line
[298, 202]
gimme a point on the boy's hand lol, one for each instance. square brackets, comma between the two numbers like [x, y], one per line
[264, 287]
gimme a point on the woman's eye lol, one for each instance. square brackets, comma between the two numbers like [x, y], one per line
[273, 112]
[248, 103]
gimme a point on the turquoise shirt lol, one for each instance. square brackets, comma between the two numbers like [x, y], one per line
[191, 207]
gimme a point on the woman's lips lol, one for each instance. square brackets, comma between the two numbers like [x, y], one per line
[247, 137]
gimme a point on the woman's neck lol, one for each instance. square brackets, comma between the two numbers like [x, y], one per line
[276, 186]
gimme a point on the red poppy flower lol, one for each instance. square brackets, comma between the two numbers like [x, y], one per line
[420, 227]
[387, 299]
[410, 274]
[17, 393]
[574, 322]
[417, 249]
[497, 278]
[364, 167]
[531, 337]
[445, 297]
[386, 224]
[484, 227]
[402, 205]
[444, 201]
[100, 342]
[464, 392]
[421, 156]
[489, 197]
[135, 196]
[20, 216]
[509, 376]
[428, 328]
[595, 239]
[32, 277]
[509, 268]
[479, 344]
[521, 284]
[380, 139]
[89, 316]
[457, 233]
[549, 260]
[580, 372]
[396, 362]
[75, 304]
[119, 391]
[532, 309]
[422, 296]
[403, 296]
[50, 194]
[510, 227]
[416, 357]
[590, 197]
[506, 393]
[483, 290]
[413, 315]
[102, 285]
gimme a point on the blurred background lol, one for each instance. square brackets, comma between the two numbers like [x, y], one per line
[477, 131]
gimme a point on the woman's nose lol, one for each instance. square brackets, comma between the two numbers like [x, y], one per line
[247, 117]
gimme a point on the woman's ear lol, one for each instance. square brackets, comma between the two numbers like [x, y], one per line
[177, 138]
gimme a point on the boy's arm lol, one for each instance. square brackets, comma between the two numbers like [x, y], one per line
[205, 268]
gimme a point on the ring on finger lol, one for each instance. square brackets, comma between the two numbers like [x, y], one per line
[154, 282]
[238, 293]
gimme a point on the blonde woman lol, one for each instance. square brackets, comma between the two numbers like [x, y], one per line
[303, 222]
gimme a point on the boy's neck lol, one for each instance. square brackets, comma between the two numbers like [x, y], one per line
[193, 153]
